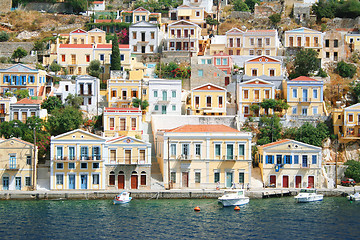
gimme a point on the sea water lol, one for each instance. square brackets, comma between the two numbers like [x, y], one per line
[275, 218]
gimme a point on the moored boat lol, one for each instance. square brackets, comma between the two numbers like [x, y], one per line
[234, 198]
[308, 195]
[123, 197]
[354, 197]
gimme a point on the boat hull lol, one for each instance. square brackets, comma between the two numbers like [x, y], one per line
[309, 199]
[352, 198]
[234, 202]
[121, 201]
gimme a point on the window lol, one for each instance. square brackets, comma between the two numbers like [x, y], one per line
[122, 124]
[102, 57]
[71, 166]
[173, 177]
[224, 61]
[314, 159]
[87, 58]
[200, 73]
[218, 61]
[134, 48]
[336, 43]
[252, 42]
[251, 52]
[217, 150]
[220, 99]
[155, 93]
[351, 118]
[59, 166]
[267, 52]
[156, 108]
[296, 159]
[294, 110]
[254, 72]
[63, 57]
[272, 72]
[216, 177]
[315, 93]
[287, 159]
[229, 151]
[143, 178]
[173, 149]
[173, 94]
[197, 149]
[112, 178]
[28, 160]
[59, 179]
[327, 42]
[241, 150]
[241, 177]
[197, 177]
[84, 152]
[246, 109]
[73, 59]
[269, 159]
[134, 35]
[133, 123]
[96, 165]
[96, 179]
[315, 110]
[246, 94]
[197, 13]
[122, 57]
[267, 41]
[294, 93]
[27, 181]
[327, 55]
[209, 61]
[174, 107]
[152, 35]
[151, 48]
[267, 94]
[185, 149]
[83, 165]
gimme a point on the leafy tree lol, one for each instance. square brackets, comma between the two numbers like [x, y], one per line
[79, 5]
[348, 9]
[65, 119]
[268, 104]
[172, 70]
[21, 93]
[94, 68]
[355, 92]
[275, 18]
[309, 134]
[254, 107]
[251, 4]
[51, 103]
[74, 101]
[322, 73]
[115, 54]
[345, 70]
[19, 53]
[39, 46]
[353, 170]
[211, 21]
[306, 62]
[270, 129]
[55, 67]
[143, 104]
[281, 105]
[4, 36]
[241, 6]
[324, 9]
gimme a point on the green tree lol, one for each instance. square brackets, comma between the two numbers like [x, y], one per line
[94, 68]
[241, 6]
[51, 103]
[115, 54]
[306, 62]
[254, 108]
[251, 4]
[79, 5]
[268, 104]
[21, 93]
[211, 21]
[275, 18]
[309, 134]
[4, 36]
[63, 120]
[39, 46]
[353, 170]
[355, 92]
[270, 129]
[345, 70]
[74, 101]
[19, 53]
[55, 67]
[143, 104]
[324, 9]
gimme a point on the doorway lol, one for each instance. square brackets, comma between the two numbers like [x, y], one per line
[185, 179]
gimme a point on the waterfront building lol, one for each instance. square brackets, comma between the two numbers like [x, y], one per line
[77, 161]
[253, 92]
[20, 76]
[290, 164]
[123, 122]
[346, 122]
[204, 156]
[26, 108]
[304, 38]
[17, 164]
[144, 38]
[207, 99]
[304, 96]
[128, 164]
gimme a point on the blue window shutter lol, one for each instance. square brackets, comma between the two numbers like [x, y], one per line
[4, 78]
[290, 159]
[267, 159]
[314, 159]
[272, 159]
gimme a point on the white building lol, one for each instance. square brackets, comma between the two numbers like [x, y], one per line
[206, 4]
[144, 38]
[164, 97]
[26, 108]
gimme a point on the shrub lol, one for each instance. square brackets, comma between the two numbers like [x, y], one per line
[4, 36]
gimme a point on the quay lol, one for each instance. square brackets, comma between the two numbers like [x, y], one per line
[164, 194]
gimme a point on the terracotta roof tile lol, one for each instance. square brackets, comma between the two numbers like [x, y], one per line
[203, 128]
[122, 46]
[75, 46]
[275, 143]
[28, 101]
[122, 109]
[107, 20]
[304, 78]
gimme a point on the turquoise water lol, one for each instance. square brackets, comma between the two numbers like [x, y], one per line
[276, 218]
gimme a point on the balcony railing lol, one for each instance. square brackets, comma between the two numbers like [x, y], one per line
[73, 158]
[305, 100]
[12, 167]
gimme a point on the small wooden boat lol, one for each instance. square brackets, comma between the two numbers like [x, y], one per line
[123, 197]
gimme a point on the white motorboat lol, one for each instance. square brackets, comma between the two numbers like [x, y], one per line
[123, 197]
[233, 198]
[354, 197]
[308, 195]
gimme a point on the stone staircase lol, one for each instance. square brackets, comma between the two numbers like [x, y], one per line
[256, 182]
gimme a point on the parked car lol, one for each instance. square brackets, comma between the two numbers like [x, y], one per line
[348, 181]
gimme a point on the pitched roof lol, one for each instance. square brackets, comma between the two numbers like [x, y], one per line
[263, 59]
[112, 109]
[121, 46]
[221, 54]
[208, 87]
[78, 31]
[107, 20]
[304, 78]
[75, 46]
[203, 128]
[141, 9]
[256, 81]
[276, 143]
[16, 139]
[28, 101]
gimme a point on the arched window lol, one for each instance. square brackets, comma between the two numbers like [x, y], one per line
[143, 178]
[112, 178]
[134, 180]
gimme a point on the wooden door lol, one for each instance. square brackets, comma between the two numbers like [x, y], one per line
[298, 181]
[185, 179]
[285, 181]
[134, 181]
[273, 180]
[311, 182]
[121, 181]
[127, 156]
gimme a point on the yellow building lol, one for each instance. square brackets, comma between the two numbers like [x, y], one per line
[346, 123]
[290, 164]
[253, 92]
[189, 13]
[353, 40]
[263, 66]
[304, 96]
[128, 164]
[77, 161]
[20, 76]
[305, 38]
[17, 165]
[122, 121]
[183, 36]
[208, 99]
[204, 156]
[138, 15]
[5, 108]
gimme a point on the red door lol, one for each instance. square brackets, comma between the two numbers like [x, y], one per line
[311, 182]
[298, 181]
[185, 179]
[134, 181]
[273, 180]
[121, 181]
[285, 181]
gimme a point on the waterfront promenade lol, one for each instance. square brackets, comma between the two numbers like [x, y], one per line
[163, 194]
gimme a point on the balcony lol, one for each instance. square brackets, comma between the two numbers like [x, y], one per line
[184, 157]
[73, 158]
[163, 101]
[143, 42]
[12, 167]
[304, 100]
[82, 93]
